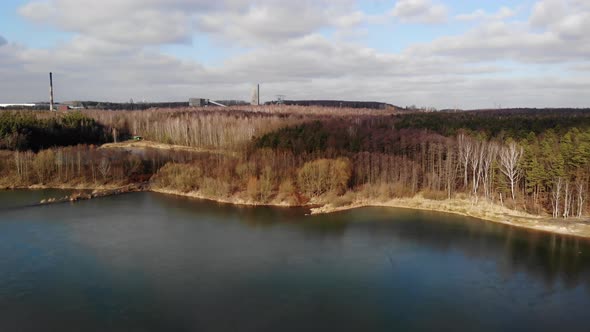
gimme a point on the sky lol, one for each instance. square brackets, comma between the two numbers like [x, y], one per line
[428, 53]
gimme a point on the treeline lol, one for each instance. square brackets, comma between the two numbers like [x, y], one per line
[527, 160]
[346, 135]
[229, 128]
[262, 176]
[542, 172]
[83, 165]
[340, 103]
[30, 130]
[514, 123]
[210, 129]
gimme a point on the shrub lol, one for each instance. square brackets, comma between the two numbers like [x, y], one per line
[437, 195]
[181, 177]
[324, 175]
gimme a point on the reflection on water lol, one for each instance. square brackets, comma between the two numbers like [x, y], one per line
[151, 262]
[19, 198]
[551, 257]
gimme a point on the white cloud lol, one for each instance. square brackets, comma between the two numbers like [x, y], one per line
[567, 19]
[419, 11]
[263, 23]
[351, 20]
[273, 21]
[115, 54]
[556, 32]
[480, 14]
[126, 22]
[169, 22]
[547, 12]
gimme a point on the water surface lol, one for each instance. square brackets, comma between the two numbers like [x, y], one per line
[149, 262]
[20, 197]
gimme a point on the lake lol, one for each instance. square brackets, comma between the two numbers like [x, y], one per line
[150, 262]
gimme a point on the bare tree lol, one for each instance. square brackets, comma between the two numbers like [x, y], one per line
[567, 199]
[465, 146]
[556, 196]
[509, 164]
[580, 189]
[488, 160]
[450, 171]
[477, 160]
[104, 168]
[23, 163]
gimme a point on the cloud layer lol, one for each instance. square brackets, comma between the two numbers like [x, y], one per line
[419, 11]
[304, 49]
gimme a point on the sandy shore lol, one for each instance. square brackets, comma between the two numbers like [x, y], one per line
[234, 200]
[64, 187]
[464, 207]
[481, 210]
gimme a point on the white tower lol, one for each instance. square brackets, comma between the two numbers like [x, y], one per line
[256, 95]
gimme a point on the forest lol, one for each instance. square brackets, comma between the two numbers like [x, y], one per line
[31, 130]
[536, 161]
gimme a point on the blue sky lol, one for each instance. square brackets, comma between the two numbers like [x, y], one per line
[424, 52]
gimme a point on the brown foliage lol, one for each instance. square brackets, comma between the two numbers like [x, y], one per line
[324, 175]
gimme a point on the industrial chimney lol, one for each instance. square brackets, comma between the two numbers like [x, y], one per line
[256, 95]
[51, 92]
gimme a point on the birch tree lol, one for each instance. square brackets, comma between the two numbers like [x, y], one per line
[465, 146]
[510, 155]
[487, 162]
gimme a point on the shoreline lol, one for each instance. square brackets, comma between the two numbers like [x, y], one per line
[482, 210]
[65, 187]
[463, 207]
[569, 227]
[232, 201]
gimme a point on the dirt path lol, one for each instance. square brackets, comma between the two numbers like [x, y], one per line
[143, 144]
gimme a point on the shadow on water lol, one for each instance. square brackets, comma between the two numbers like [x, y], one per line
[257, 216]
[21, 198]
[549, 257]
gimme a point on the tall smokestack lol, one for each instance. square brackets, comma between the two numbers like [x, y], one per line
[51, 91]
[256, 95]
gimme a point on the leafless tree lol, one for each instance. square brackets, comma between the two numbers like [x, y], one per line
[450, 170]
[510, 155]
[488, 161]
[479, 150]
[104, 168]
[580, 189]
[567, 199]
[556, 196]
[465, 146]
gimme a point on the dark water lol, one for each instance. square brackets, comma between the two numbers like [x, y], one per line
[18, 198]
[148, 262]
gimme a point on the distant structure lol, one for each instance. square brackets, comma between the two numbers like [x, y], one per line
[216, 103]
[73, 105]
[256, 95]
[341, 104]
[51, 91]
[280, 99]
[198, 102]
[201, 102]
[17, 105]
